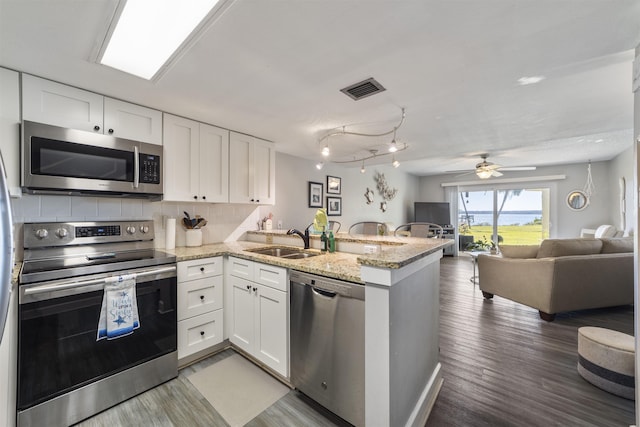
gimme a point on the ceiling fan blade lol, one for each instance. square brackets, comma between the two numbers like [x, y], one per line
[518, 168]
[496, 173]
[463, 174]
[492, 167]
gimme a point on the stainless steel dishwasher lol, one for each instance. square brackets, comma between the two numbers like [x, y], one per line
[327, 343]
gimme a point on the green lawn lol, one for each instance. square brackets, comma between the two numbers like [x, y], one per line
[511, 234]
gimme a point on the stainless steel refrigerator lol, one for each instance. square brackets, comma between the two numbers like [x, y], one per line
[6, 251]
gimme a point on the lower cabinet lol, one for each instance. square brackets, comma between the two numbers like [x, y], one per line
[200, 315]
[259, 312]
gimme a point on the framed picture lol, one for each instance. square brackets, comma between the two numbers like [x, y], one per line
[334, 185]
[315, 194]
[334, 206]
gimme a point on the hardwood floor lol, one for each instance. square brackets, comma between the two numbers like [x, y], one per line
[502, 366]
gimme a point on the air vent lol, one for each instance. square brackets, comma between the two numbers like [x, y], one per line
[363, 89]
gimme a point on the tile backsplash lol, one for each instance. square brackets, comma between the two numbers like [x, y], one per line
[225, 221]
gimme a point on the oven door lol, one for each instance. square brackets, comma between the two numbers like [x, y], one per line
[57, 347]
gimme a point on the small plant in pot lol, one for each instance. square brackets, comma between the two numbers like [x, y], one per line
[481, 245]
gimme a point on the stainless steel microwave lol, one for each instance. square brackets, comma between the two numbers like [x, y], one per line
[74, 162]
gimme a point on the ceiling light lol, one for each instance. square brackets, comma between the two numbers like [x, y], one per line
[326, 151]
[393, 147]
[148, 33]
[523, 81]
[362, 169]
[484, 173]
[395, 163]
[319, 165]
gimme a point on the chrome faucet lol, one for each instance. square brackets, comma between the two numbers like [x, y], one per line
[304, 237]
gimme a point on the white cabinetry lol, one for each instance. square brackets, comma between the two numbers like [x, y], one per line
[252, 175]
[259, 311]
[200, 313]
[197, 161]
[56, 104]
[10, 128]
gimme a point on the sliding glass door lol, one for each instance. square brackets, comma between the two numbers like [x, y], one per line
[510, 216]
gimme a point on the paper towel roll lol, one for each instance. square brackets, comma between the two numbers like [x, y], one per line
[170, 233]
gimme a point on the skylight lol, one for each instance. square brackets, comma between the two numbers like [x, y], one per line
[148, 32]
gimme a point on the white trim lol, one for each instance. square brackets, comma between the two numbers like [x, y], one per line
[423, 407]
[505, 181]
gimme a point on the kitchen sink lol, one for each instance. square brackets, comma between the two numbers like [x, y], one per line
[289, 253]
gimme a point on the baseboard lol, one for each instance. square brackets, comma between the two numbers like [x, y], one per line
[421, 411]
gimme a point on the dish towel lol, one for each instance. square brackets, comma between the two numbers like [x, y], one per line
[119, 311]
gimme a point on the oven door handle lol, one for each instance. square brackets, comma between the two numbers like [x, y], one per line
[72, 285]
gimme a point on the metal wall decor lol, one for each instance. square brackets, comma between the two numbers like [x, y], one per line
[386, 192]
[368, 195]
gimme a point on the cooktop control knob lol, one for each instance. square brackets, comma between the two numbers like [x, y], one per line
[131, 229]
[41, 233]
[62, 233]
[144, 229]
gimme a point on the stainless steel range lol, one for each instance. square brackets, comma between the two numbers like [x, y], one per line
[64, 373]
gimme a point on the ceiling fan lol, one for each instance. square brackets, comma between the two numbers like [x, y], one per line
[486, 170]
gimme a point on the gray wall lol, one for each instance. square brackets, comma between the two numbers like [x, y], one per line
[292, 182]
[604, 207]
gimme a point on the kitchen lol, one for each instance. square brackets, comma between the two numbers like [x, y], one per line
[232, 219]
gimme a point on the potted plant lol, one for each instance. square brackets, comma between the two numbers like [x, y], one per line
[480, 245]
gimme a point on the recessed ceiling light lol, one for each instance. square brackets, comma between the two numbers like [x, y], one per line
[148, 33]
[530, 80]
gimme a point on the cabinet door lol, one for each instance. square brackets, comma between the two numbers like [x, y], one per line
[181, 151]
[242, 326]
[132, 121]
[264, 163]
[214, 164]
[271, 329]
[240, 173]
[56, 104]
[10, 128]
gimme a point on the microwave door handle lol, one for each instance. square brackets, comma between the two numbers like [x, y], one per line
[136, 167]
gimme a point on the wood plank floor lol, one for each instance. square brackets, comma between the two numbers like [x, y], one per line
[502, 366]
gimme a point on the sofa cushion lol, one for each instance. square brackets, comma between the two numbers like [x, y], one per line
[605, 231]
[519, 251]
[615, 246]
[569, 247]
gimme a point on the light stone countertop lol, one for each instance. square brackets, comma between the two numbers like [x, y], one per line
[395, 253]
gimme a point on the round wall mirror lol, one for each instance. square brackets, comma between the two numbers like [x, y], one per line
[577, 200]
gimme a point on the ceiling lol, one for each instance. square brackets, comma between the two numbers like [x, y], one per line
[274, 69]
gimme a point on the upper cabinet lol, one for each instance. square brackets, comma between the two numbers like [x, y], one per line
[197, 166]
[10, 128]
[252, 175]
[56, 104]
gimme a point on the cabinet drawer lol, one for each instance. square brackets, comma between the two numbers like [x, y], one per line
[271, 276]
[241, 268]
[199, 296]
[199, 268]
[199, 333]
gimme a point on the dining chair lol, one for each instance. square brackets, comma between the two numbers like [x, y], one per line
[370, 228]
[420, 229]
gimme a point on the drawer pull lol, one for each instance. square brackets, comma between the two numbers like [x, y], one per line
[202, 269]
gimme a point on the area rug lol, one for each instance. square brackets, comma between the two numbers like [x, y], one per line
[237, 389]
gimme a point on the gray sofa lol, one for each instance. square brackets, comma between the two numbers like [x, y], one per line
[561, 274]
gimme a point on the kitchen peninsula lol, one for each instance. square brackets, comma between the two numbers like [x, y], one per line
[402, 370]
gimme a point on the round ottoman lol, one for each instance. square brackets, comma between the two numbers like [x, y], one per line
[606, 359]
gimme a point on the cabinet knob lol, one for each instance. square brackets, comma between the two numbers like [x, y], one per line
[110, 131]
[204, 197]
[202, 269]
[257, 200]
[201, 297]
[255, 289]
[195, 197]
[252, 200]
[201, 333]
[249, 287]
[96, 128]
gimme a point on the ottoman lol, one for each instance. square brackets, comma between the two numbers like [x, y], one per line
[606, 359]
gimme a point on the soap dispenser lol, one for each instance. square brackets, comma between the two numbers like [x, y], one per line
[332, 242]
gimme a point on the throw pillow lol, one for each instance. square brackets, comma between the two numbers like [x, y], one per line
[605, 231]
[615, 246]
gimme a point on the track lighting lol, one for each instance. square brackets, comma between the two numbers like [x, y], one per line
[395, 163]
[319, 165]
[393, 147]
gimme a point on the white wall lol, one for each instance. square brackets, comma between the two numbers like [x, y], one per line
[292, 182]
[603, 208]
